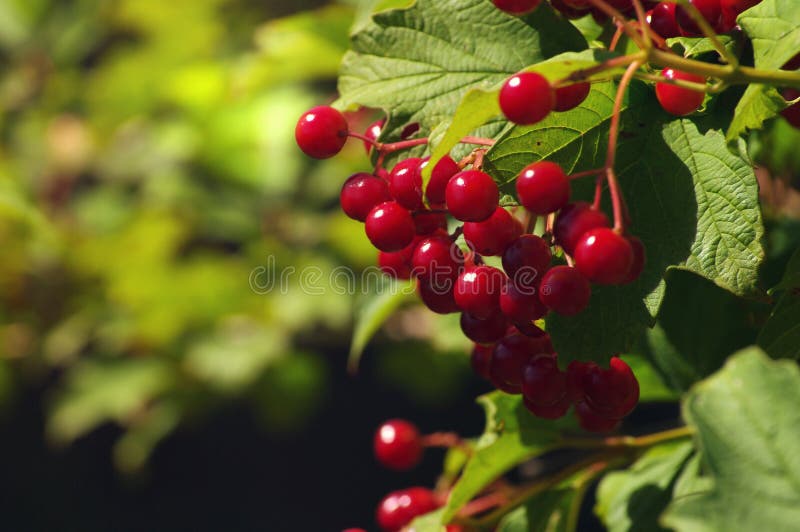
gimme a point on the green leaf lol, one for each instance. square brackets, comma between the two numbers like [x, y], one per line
[512, 436]
[375, 310]
[652, 386]
[552, 511]
[694, 205]
[633, 500]
[694, 46]
[748, 428]
[691, 480]
[774, 28]
[791, 277]
[780, 336]
[430, 522]
[417, 63]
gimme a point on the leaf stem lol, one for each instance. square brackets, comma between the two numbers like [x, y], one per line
[480, 141]
[630, 442]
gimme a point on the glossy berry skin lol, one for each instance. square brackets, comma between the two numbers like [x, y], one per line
[526, 260]
[445, 169]
[521, 304]
[509, 358]
[399, 508]
[613, 392]
[676, 100]
[484, 331]
[604, 256]
[405, 183]
[390, 227]
[438, 297]
[427, 222]
[361, 193]
[397, 264]
[591, 421]
[662, 20]
[639, 260]
[438, 258]
[573, 221]
[571, 96]
[398, 445]
[321, 132]
[478, 289]
[480, 359]
[517, 7]
[471, 196]
[543, 384]
[543, 187]
[493, 235]
[372, 133]
[565, 291]
[527, 98]
[711, 11]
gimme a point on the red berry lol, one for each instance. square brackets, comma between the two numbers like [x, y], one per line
[478, 291]
[543, 187]
[438, 258]
[427, 222]
[484, 331]
[612, 392]
[372, 133]
[573, 221]
[676, 100]
[410, 130]
[390, 227]
[493, 235]
[398, 264]
[399, 508]
[440, 176]
[361, 193]
[509, 358]
[321, 132]
[577, 372]
[555, 411]
[791, 113]
[662, 20]
[569, 12]
[592, 421]
[521, 304]
[709, 9]
[731, 9]
[398, 445]
[517, 7]
[527, 98]
[471, 196]
[582, 5]
[405, 183]
[565, 291]
[604, 256]
[571, 96]
[639, 260]
[530, 330]
[438, 297]
[526, 260]
[543, 384]
[480, 359]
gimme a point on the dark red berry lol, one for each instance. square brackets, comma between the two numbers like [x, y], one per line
[398, 264]
[493, 235]
[390, 227]
[573, 221]
[438, 297]
[438, 258]
[639, 260]
[679, 101]
[526, 260]
[480, 359]
[709, 9]
[398, 445]
[662, 20]
[577, 373]
[543, 384]
[791, 113]
[484, 331]
[372, 133]
[478, 290]
[440, 176]
[571, 96]
[471, 196]
[527, 98]
[531, 330]
[427, 222]
[731, 9]
[612, 392]
[361, 193]
[399, 508]
[555, 411]
[543, 187]
[565, 291]
[581, 5]
[603, 256]
[321, 132]
[568, 11]
[405, 183]
[592, 421]
[521, 304]
[410, 130]
[509, 358]
[517, 7]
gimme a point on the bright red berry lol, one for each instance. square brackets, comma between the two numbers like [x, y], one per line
[439, 258]
[399, 508]
[471, 196]
[571, 96]
[679, 101]
[573, 221]
[438, 297]
[478, 290]
[372, 133]
[321, 132]
[731, 9]
[592, 421]
[484, 331]
[493, 235]
[390, 227]
[517, 7]
[709, 9]
[543, 384]
[427, 222]
[398, 445]
[603, 256]
[521, 304]
[405, 183]
[526, 260]
[527, 98]
[361, 193]
[480, 359]
[565, 291]
[440, 176]
[639, 260]
[543, 187]
[662, 20]
[398, 264]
